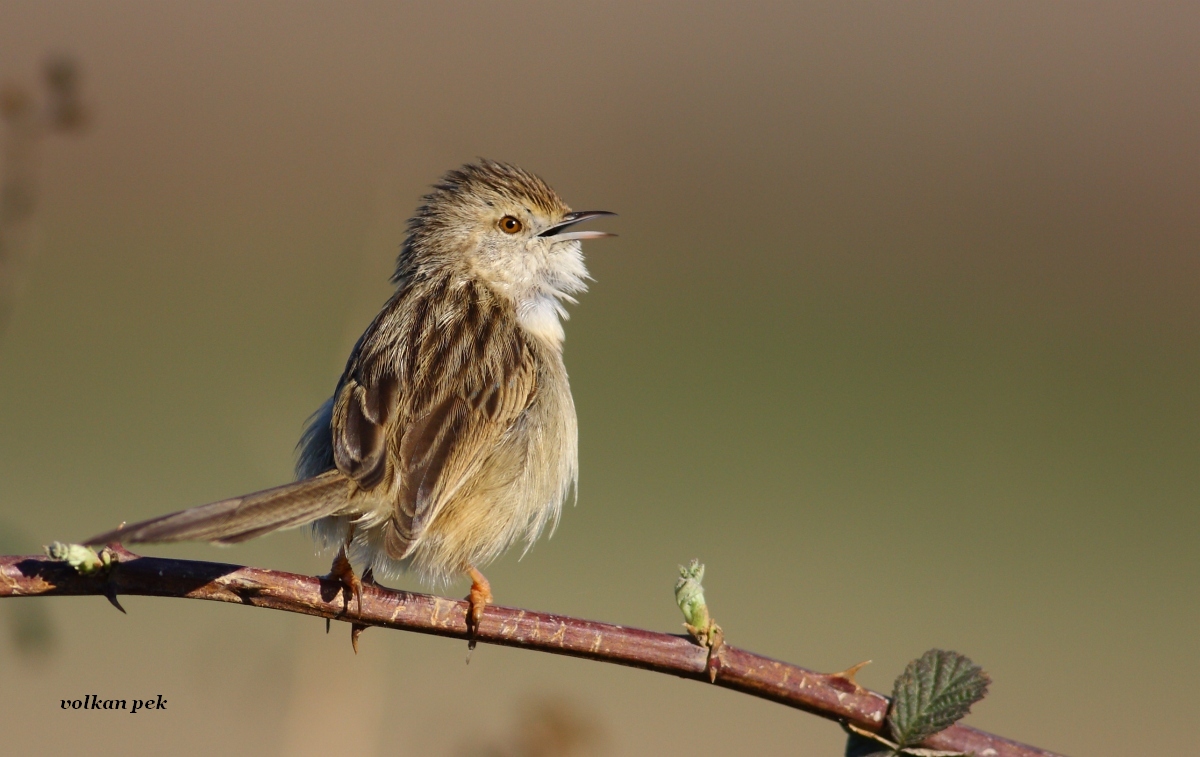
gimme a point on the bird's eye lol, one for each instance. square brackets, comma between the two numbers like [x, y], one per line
[510, 225]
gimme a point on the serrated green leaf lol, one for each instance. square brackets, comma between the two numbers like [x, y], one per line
[861, 746]
[934, 691]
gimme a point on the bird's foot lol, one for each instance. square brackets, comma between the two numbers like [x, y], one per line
[479, 598]
[343, 572]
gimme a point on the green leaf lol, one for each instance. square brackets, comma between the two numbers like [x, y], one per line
[934, 691]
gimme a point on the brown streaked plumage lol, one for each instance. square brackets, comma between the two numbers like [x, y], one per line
[451, 433]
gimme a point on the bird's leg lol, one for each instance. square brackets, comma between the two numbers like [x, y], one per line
[479, 598]
[343, 572]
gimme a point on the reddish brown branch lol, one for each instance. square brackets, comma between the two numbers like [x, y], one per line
[828, 695]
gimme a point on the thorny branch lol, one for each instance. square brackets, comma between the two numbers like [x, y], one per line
[834, 696]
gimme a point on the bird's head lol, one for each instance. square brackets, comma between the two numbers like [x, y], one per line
[505, 228]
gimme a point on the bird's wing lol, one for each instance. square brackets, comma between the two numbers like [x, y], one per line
[361, 413]
[419, 416]
[445, 448]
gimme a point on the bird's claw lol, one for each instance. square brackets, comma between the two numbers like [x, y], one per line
[343, 572]
[478, 599]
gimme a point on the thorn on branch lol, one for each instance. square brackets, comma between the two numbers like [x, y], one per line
[110, 593]
[848, 674]
[356, 630]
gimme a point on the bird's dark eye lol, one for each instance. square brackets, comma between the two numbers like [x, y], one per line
[510, 225]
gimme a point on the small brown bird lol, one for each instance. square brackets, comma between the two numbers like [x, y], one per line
[451, 433]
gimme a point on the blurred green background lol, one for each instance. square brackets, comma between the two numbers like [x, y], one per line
[900, 337]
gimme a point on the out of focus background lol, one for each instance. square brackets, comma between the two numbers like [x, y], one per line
[900, 336]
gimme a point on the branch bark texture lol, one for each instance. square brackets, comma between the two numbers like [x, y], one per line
[831, 696]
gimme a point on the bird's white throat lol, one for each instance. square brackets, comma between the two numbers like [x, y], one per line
[541, 315]
[561, 274]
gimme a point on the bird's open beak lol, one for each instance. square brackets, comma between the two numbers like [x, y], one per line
[570, 219]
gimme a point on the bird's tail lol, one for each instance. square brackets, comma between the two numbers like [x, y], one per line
[241, 518]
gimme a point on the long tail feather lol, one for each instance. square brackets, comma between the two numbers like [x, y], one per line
[241, 518]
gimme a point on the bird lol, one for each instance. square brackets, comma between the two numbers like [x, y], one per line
[452, 433]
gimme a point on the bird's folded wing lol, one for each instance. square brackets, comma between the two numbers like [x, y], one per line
[446, 447]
